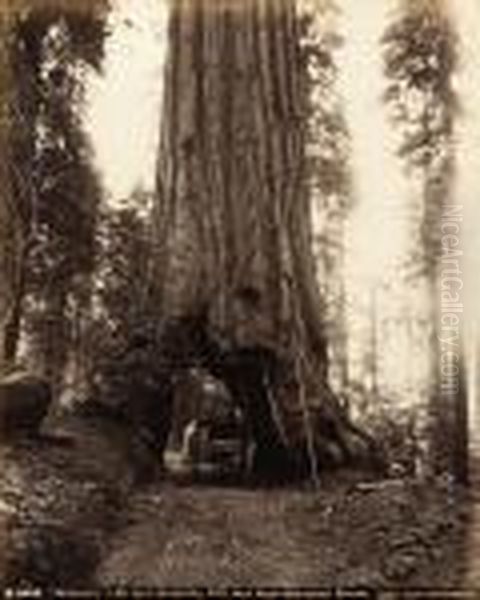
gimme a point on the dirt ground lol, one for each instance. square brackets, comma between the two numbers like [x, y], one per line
[75, 514]
[339, 537]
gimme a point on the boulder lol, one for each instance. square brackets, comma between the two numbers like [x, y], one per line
[24, 403]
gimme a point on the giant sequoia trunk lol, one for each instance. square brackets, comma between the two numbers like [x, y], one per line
[233, 213]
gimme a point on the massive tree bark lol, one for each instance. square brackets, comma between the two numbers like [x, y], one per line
[233, 213]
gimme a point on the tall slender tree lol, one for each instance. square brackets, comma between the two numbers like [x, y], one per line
[10, 218]
[14, 238]
[53, 185]
[420, 61]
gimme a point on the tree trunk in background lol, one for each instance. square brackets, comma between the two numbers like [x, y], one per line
[13, 223]
[55, 339]
[421, 60]
[8, 247]
[459, 423]
[14, 321]
[233, 212]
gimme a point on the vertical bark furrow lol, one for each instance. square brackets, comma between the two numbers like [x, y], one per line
[245, 175]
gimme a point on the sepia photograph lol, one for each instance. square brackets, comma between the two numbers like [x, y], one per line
[239, 272]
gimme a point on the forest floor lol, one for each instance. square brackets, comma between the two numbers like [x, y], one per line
[74, 515]
[341, 536]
